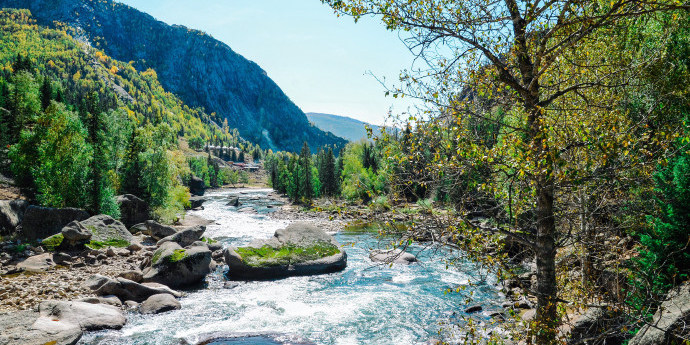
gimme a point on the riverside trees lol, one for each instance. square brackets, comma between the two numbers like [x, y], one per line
[528, 104]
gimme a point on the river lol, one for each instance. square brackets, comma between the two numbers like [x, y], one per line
[364, 304]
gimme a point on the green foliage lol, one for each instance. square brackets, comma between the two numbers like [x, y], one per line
[360, 183]
[268, 256]
[115, 243]
[55, 156]
[664, 259]
[243, 177]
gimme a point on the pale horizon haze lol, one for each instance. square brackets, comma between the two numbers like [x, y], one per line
[320, 61]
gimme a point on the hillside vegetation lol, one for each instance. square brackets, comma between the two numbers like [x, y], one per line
[79, 127]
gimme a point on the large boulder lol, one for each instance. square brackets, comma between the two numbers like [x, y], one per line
[85, 316]
[104, 228]
[41, 222]
[37, 263]
[126, 290]
[670, 323]
[197, 186]
[392, 256]
[11, 215]
[157, 304]
[75, 234]
[185, 237]
[132, 210]
[299, 249]
[20, 328]
[175, 266]
[158, 231]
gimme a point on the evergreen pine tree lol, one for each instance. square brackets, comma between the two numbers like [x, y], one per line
[306, 188]
[46, 93]
[329, 180]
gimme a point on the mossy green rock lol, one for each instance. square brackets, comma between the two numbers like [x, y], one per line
[174, 266]
[299, 249]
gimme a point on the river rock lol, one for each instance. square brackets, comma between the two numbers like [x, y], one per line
[85, 316]
[674, 314]
[109, 300]
[197, 186]
[133, 210]
[157, 230]
[160, 303]
[75, 234]
[11, 215]
[104, 228]
[392, 256]
[175, 266]
[473, 309]
[37, 263]
[20, 328]
[234, 201]
[251, 338]
[137, 228]
[61, 258]
[133, 275]
[126, 289]
[197, 201]
[41, 222]
[185, 237]
[299, 234]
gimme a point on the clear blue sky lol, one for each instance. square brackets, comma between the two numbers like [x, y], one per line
[318, 59]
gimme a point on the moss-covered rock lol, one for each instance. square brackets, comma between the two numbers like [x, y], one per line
[104, 228]
[53, 242]
[174, 266]
[299, 249]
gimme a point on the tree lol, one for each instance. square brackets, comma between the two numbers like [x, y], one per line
[46, 93]
[24, 100]
[534, 56]
[306, 185]
[56, 156]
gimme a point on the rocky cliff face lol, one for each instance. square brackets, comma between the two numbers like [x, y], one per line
[201, 70]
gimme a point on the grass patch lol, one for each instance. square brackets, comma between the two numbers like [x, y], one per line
[51, 243]
[178, 254]
[267, 256]
[117, 243]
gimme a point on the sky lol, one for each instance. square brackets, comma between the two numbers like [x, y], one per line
[322, 62]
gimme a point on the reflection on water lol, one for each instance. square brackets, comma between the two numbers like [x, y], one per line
[364, 304]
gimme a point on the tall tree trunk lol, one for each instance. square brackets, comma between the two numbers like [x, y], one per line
[544, 332]
[547, 316]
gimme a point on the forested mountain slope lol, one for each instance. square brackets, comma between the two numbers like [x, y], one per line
[199, 69]
[78, 127]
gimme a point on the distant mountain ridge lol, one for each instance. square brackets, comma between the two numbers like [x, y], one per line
[342, 126]
[201, 70]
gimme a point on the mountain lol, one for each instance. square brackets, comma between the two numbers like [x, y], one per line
[200, 70]
[342, 126]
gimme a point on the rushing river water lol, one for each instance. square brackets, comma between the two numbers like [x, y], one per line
[364, 304]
